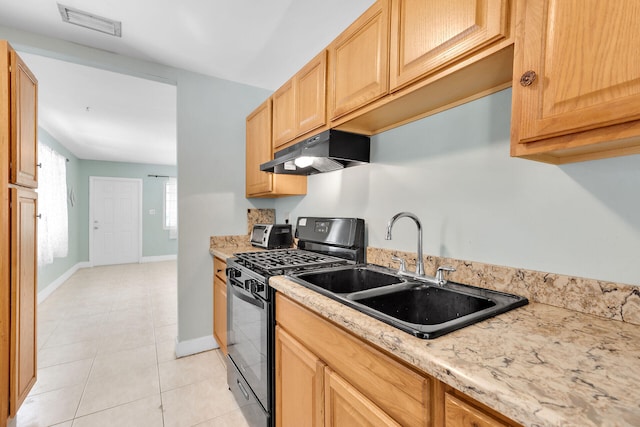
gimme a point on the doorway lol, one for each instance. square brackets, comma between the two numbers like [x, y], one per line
[115, 220]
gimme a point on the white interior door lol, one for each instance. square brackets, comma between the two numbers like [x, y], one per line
[115, 220]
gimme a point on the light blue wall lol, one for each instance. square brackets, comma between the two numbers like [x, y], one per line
[211, 186]
[476, 203]
[50, 272]
[155, 240]
[210, 147]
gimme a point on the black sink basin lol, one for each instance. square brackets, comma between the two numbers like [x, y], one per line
[422, 309]
[425, 305]
[344, 280]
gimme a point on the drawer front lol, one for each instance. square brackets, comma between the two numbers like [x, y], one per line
[219, 268]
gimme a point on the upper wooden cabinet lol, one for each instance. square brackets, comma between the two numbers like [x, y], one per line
[576, 80]
[284, 114]
[442, 53]
[359, 62]
[311, 94]
[24, 124]
[427, 35]
[299, 106]
[260, 150]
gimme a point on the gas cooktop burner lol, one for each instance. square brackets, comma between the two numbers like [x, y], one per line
[281, 259]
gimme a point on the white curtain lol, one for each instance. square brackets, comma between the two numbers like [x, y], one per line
[171, 207]
[53, 228]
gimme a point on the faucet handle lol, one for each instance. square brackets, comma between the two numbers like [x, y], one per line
[440, 273]
[403, 263]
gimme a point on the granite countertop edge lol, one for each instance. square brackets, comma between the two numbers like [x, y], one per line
[539, 365]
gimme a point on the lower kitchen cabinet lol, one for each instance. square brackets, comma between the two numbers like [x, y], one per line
[299, 384]
[462, 411]
[23, 346]
[220, 303]
[346, 406]
[325, 376]
[383, 386]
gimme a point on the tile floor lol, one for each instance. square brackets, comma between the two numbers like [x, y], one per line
[106, 357]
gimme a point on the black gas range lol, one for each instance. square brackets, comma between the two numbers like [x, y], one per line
[322, 242]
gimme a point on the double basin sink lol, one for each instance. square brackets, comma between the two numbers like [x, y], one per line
[420, 308]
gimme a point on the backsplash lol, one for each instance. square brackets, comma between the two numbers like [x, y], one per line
[596, 297]
[260, 216]
[254, 216]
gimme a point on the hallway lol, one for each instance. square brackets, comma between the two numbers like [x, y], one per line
[106, 342]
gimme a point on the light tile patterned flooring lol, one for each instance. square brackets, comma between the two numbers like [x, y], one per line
[106, 357]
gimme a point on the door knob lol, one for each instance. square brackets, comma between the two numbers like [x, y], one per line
[528, 78]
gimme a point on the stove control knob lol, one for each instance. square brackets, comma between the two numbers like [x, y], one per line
[256, 286]
[233, 273]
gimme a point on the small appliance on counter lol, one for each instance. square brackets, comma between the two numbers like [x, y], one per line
[271, 236]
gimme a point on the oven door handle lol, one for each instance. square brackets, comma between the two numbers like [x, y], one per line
[253, 300]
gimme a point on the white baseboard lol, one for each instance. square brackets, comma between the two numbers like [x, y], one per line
[158, 258]
[44, 294]
[197, 345]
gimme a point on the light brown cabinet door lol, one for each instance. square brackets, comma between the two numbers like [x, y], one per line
[359, 62]
[284, 114]
[299, 384]
[259, 150]
[24, 124]
[459, 413]
[299, 106]
[220, 303]
[427, 35]
[311, 95]
[585, 55]
[23, 347]
[346, 406]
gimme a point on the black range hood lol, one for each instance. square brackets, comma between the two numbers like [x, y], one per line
[328, 151]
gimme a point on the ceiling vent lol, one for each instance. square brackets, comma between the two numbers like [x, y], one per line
[91, 21]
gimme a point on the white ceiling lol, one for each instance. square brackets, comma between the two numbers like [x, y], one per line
[255, 42]
[101, 115]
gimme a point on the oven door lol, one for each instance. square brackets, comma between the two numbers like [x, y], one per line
[248, 339]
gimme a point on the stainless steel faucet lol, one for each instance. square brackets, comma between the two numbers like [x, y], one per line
[419, 262]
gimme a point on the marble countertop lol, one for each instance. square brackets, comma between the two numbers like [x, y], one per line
[539, 365]
[225, 252]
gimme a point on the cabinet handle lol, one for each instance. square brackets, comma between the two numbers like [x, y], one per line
[39, 216]
[528, 78]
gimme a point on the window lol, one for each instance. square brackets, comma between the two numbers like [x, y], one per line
[53, 226]
[171, 204]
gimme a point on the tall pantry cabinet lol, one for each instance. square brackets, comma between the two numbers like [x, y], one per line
[18, 220]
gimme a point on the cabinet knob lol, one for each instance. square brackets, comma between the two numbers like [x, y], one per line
[528, 78]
